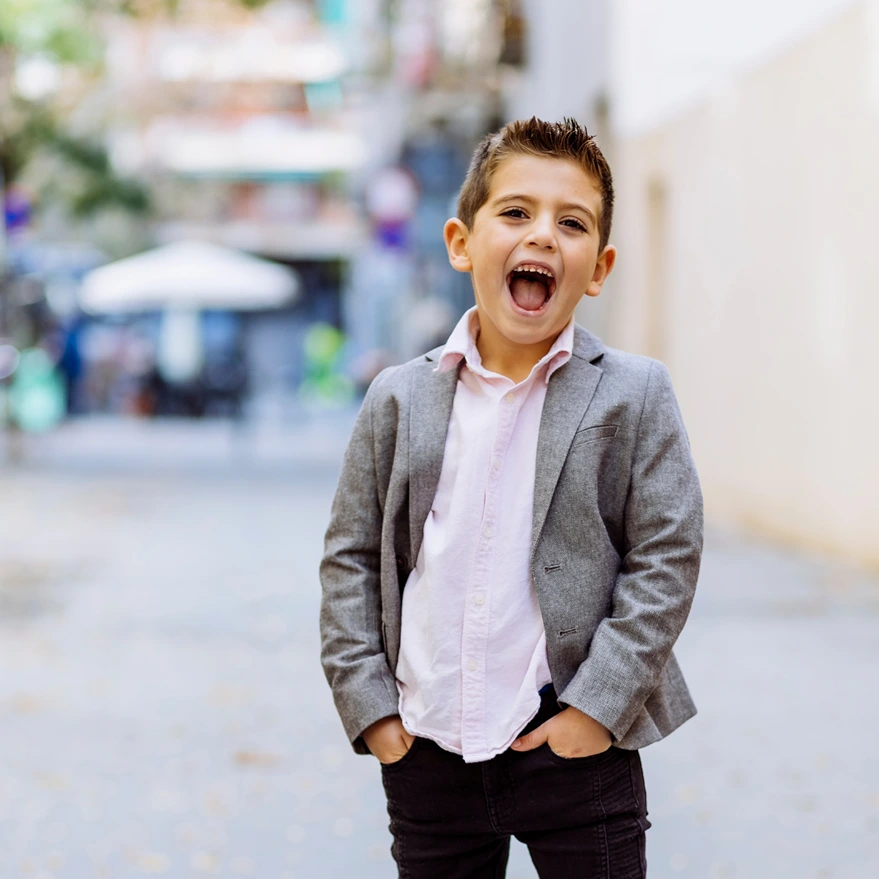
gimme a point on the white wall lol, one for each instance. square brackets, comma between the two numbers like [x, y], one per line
[568, 48]
[666, 57]
[756, 281]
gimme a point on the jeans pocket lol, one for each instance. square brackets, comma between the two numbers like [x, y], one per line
[405, 759]
[588, 760]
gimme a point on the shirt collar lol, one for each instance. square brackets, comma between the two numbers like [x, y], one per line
[461, 345]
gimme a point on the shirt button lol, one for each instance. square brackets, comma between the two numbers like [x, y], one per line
[488, 531]
[479, 598]
[510, 398]
[472, 664]
[496, 463]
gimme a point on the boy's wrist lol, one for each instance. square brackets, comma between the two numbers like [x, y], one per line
[588, 718]
[377, 728]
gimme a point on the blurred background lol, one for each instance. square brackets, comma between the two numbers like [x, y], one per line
[223, 217]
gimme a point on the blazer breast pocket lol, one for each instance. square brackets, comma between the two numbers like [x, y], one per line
[592, 434]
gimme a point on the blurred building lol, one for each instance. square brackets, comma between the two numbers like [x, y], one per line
[745, 226]
[565, 70]
[333, 137]
[437, 93]
[457, 71]
[242, 123]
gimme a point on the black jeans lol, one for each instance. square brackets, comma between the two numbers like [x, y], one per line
[583, 818]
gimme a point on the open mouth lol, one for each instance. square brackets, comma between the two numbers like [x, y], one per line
[531, 286]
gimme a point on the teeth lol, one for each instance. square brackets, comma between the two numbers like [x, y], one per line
[538, 269]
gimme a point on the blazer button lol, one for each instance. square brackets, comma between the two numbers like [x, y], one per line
[402, 561]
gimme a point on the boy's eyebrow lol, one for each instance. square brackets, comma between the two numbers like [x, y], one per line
[567, 206]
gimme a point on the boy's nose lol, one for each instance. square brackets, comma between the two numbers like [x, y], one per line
[542, 235]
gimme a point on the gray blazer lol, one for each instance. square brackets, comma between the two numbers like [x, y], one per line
[615, 546]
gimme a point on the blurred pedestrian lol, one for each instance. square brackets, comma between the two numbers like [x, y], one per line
[514, 546]
[70, 365]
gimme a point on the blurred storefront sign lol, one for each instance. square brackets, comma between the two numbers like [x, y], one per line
[266, 147]
[254, 57]
[318, 240]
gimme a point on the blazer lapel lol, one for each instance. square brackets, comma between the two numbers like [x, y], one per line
[432, 396]
[568, 396]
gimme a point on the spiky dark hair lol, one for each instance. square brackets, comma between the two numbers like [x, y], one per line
[534, 137]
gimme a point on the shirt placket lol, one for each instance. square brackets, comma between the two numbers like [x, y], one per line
[477, 610]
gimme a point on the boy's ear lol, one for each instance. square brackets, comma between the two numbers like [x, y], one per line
[603, 267]
[456, 235]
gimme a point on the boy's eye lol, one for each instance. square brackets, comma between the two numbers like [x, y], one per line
[517, 213]
[574, 223]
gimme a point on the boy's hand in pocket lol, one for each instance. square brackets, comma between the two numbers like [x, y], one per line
[571, 733]
[387, 739]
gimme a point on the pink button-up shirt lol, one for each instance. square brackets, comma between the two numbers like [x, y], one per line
[473, 647]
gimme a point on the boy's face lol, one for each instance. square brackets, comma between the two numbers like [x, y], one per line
[533, 249]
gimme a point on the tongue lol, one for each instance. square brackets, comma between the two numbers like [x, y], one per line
[528, 294]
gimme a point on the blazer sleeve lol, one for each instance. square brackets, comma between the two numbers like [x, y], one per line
[654, 589]
[352, 652]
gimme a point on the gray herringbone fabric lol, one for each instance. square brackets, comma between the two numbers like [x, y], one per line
[615, 551]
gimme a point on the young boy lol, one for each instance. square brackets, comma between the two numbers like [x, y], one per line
[514, 546]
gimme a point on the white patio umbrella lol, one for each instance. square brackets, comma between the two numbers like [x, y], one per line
[188, 275]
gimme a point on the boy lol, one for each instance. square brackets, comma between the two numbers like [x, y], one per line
[514, 546]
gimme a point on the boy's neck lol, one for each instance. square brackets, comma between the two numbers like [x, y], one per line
[504, 357]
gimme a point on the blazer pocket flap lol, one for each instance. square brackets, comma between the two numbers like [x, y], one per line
[590, 434]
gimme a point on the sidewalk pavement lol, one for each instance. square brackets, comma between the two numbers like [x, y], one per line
[164, 712]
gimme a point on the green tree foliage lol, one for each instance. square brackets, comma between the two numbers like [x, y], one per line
[66, 32]
[56, 28]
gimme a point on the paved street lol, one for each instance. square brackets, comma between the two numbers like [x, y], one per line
[164, 712]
